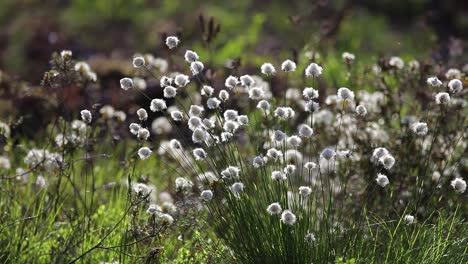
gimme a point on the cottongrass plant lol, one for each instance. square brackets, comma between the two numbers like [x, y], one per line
[315, 179]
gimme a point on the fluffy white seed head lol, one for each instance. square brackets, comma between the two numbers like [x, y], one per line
[442, 98]
[313, 70]
[258, 162]
[196, 110]
[199, 135]
[138, 62]
[396, 62]
[455, 86]
[143, 134]
[144, 153]
[382, 180]
[311, 106]
[288, 218]
[256, 93]
[288, 66]
[191, 56]
[142, 114]
[181, 80]
[230, 114]
[310, 93]
[172, 42]
[175, 144]
[247, 80]
[196, 67]
[243, 120]
[170, 92]
[237, 188]
[268, 69]
[195, 122]
[419, 128]
[294, 141]
[305, 191]
[348, 57]
[408, 219]
[165, 81]
[126, 83]
[199, 154]
[459, 185]
[361, 110]
[279, 136]
[453, 74]
[345, 93]
[378, 153]
[328, 154]
[223, 95]
[264, 105]
[213, 103]
[310, 165]
[278, 176]
[183, 184]
[274, 208]
[434, 81]
[134, 128]
[231, 82]
[231, 172]
[230, 126]
[305, 131]
[86, 116]
[158, 105]
[207, 90]
[177, 115]
[284, 113]
[275, 154]
[387, 161]
[206, 195]
[289, 169]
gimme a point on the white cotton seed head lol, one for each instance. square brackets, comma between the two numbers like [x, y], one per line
[279, 136]
[278, 176]
[310, 93]
[419, 128]
[453, 74]
[206, 195]
[230, 126]
[309, 238]
[126, 83]
[231, 172]
[434, 81]
[144, 153]
[223, 95]
[258, 162]
[247, 80]
[86, 116]
[328, 154]
[294, 141]
[264, 105]
[387, 161]
[311, 106]
[158, 105]
[142, 114]
[275, 154]
[231, 82]
[181, 80]
[378, 153]
[195, 122]
[310, 165]
[177, 115]
[199, 135]
[196, 110]
[183, 184]
[348, 57]
[196, 67]
[345, 93]
[172, 42]
[408, 219]
[305, 131]
[237, 187]
[213, 103]
[305, 191]
[442, 98]
[256, 93]
[134, 128]
[138, 62]
[208, 123]
[396, 62]
[288, 218]
[191, 56]
[175, 144]
[284, 113]
[226, 136]
[170, 92]
[361, 110]
[230, 114]
[459, 185]
[243, 120]
[455, 86]
[274, 209]
[313, 70]
[199, 154]
[165, 81]
[382, 180]
[143, 134]
[288, 66]
[207, 90]
[289, 169]
[268, 69]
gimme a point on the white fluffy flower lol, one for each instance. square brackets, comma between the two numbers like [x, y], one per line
[231, 82]
[142, 114]
[348, 57]
[268, 69]
[191, 56]
[378, 153]
[170, 92]
[226, 136]
[345, 93]
[158, 105]
[183, 183]
[237, 188]
[284, 113]
[181, 80]
[453, 74]
[408, 219]
[230, 114]
[223, 95]
[199, 135]
[288, 218]
[196, 67]
[134, 128]
[231, 172]
[419, 128]
[442, 98]
[172, 42]
[195, 122]
[309, 238]
[264, 105]
[278, 176]
[294, 141]
[243, 120]
[305, 131]
[455, 86]
[143, 134]
[230, 126]
[274, 208]
[289, 169]
[459, 185]
[144, 153]
[305, 191]
[256, 93]
[387, 161]
[434, 81]
[396, 62]
[258, 162]
[206, 195]
[382, 180]
[207, 90]
[86, 116]
[310, 165]
[310, 93]
[165, 81]
[138, 62]
[199, 154]
[126, 83]
[175, 144]
[361, 110]
[275, 154]
[313, 70]
[196, 110]
[177, 115]
[328, 154]
[247, 80]
[311, 106]
[279, 136]
[288, 66]
[213, 103]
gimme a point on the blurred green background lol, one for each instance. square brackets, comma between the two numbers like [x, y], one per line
[253, 30]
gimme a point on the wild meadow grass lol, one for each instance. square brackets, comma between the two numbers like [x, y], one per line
[365, 163]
